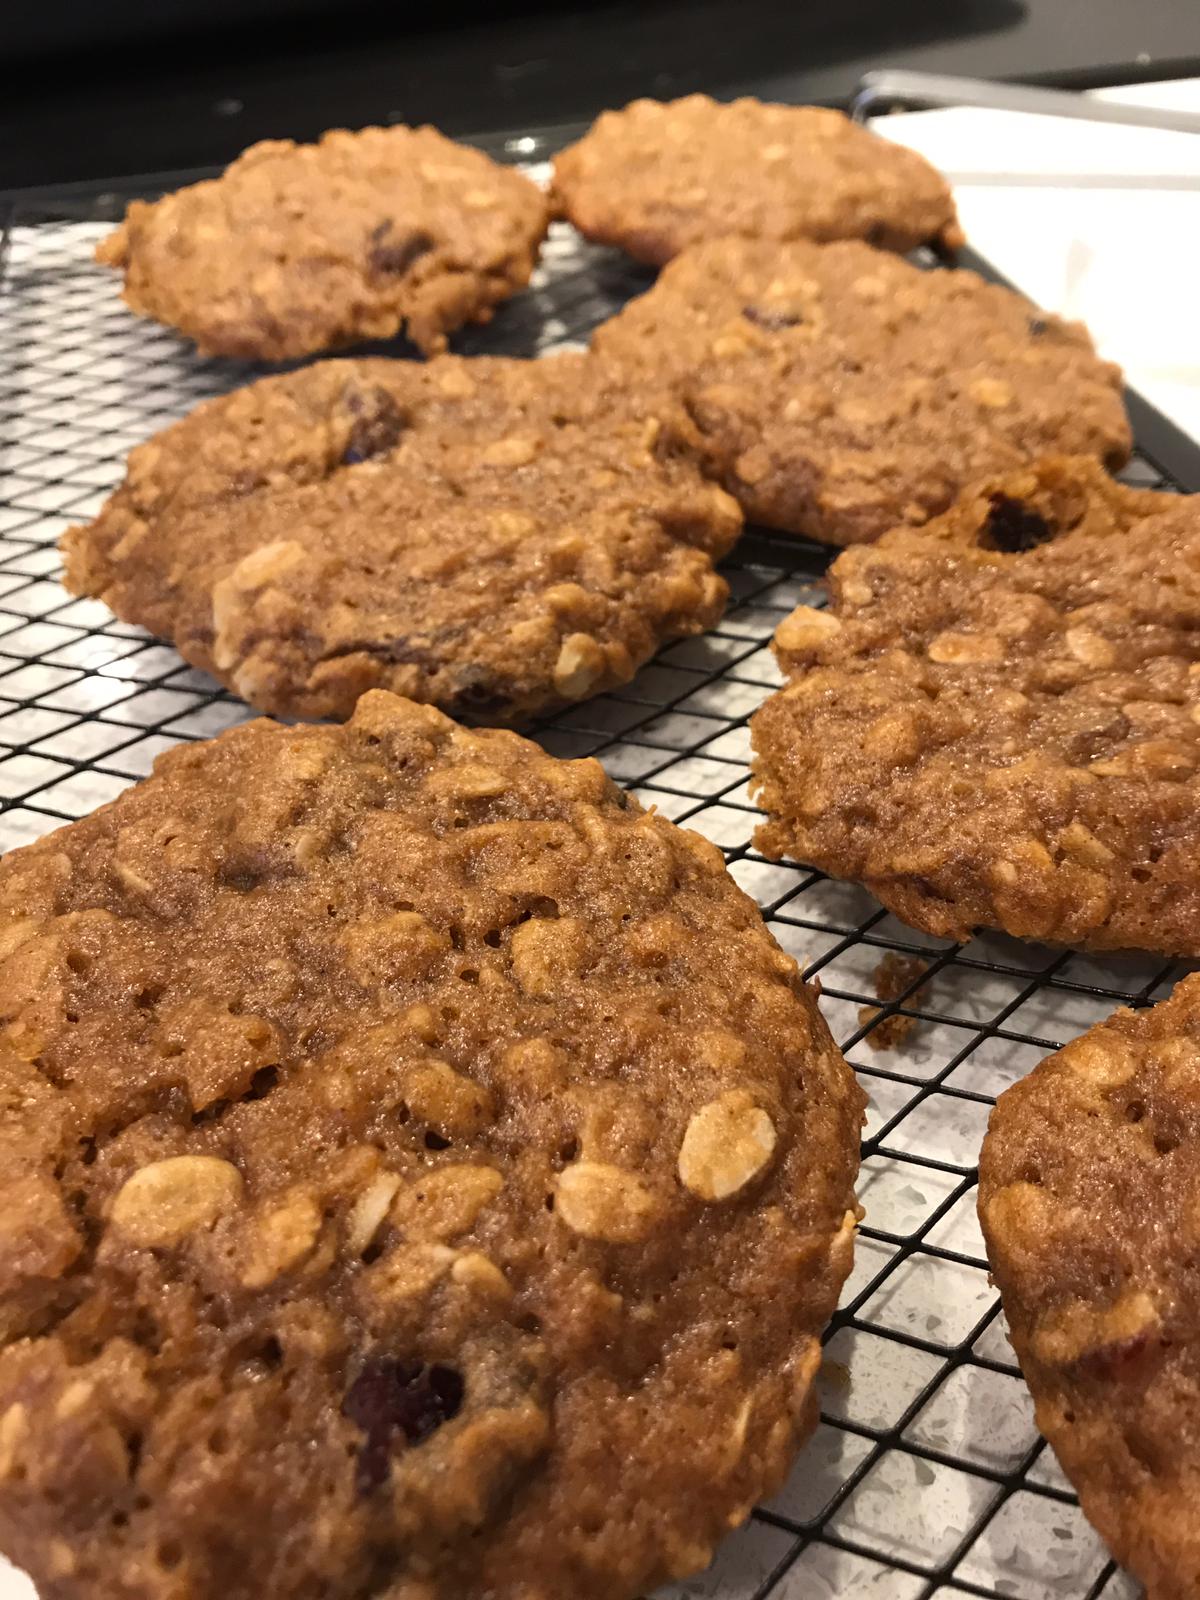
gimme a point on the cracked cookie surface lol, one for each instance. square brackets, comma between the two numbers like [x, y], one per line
[841, 391]
[422, 1175]
[658, 176]
[493, 536]
[995, 723]
[1089, 1198]
[300, 248]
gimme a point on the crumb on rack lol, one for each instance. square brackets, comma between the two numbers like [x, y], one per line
[893, 976]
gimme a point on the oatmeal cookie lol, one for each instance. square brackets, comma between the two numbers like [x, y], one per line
[841, 391]
[995, 723]
[298, 248]
[493, 536]
[421, 1171]
[654, 178]
[1089, 1197]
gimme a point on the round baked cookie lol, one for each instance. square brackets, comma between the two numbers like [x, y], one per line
[656, 177]
[996, 722]
[421, 1173]
[493, 536]
[298, 248]
[1089, 1198]
[841, 391]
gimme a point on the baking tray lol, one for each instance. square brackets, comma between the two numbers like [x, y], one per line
[926, 1474]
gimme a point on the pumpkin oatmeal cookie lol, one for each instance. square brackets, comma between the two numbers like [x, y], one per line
[421, 1173]
[496, 537]
[1089, 1197]
[656, 177]
[300, 248]
[997, 721]
[840, 391]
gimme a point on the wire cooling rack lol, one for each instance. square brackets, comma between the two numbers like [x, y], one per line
[927, 1475]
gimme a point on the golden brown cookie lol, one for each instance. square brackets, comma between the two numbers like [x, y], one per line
[841, 391]
[494, 536]
[996, 722]
[419, 1169]
[298, 248]
[655, 178]
[1089, 1197]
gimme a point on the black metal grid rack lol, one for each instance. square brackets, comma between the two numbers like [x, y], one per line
[926, 1475]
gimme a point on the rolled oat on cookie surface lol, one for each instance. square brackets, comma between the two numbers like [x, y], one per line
[996, 722]
[420, 1169]
[299, 248]
[494, 536]
[840, 391]
[1089, 1198]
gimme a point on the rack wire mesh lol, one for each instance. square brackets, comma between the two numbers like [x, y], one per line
[927, 1475]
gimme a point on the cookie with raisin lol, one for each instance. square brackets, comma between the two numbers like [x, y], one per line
[996, 723]
[405, 1143]
[298, 248]
[496, 537]
[840, 391]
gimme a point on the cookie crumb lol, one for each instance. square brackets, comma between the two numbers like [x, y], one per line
[892, 978]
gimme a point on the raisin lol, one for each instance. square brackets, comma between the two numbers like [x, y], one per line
[243, 871]
[391, 1396]
[1012, 526]
[1123, 1358]
[1038, 326]
[1101, 738]
[378, 423]
[476, 693]
[395, 256]
[261, 1084]
[401, 651]
[773, 321]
